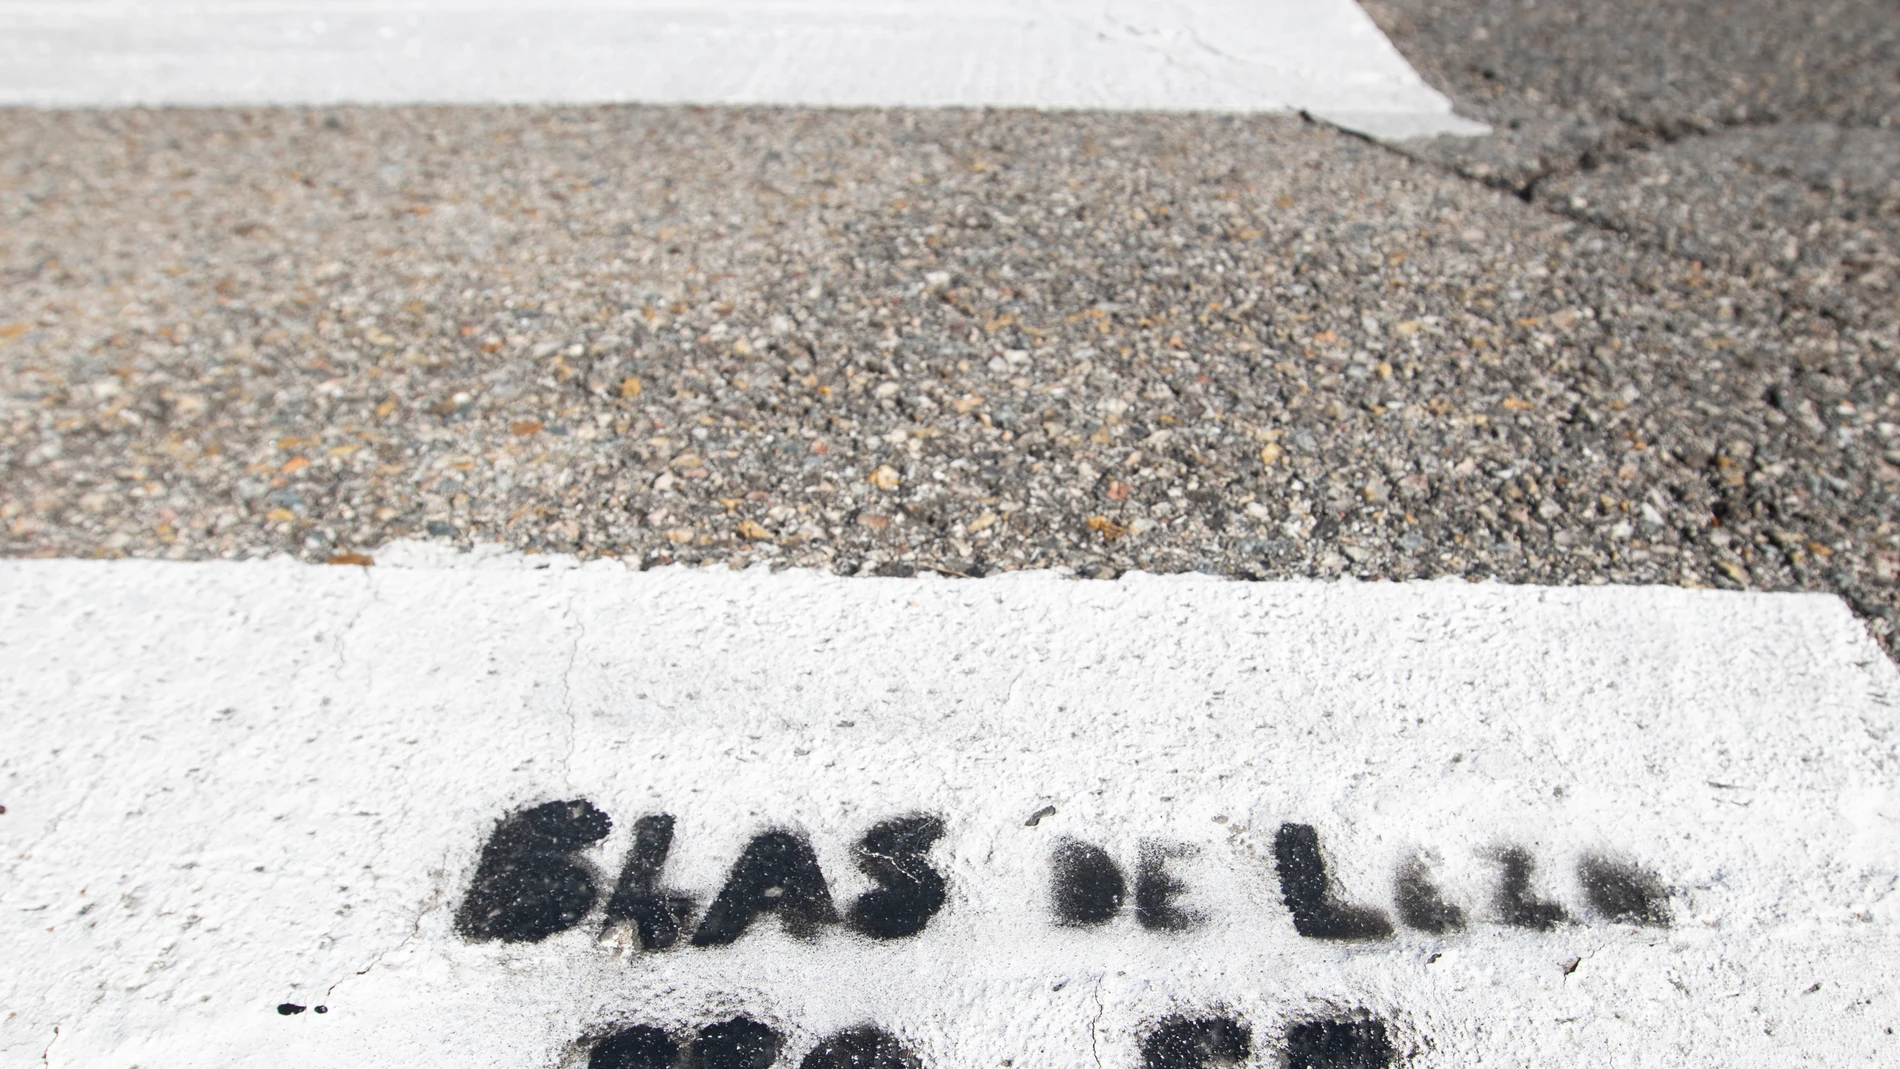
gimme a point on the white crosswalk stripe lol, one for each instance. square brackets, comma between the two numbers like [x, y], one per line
[512, 817]
[1324, 57]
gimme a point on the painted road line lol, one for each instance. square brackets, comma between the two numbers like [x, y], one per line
[1321, 56]
[290, 815]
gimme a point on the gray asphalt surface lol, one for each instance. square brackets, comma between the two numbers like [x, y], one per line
[1758, 138]
[883, 342]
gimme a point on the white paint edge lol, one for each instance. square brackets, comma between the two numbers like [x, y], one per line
[1397, 126]
[1324, 57]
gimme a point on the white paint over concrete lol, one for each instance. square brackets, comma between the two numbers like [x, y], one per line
[234, 785]
[1322, 56]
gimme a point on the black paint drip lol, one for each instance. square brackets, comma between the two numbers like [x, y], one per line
[637, 896]
[1181, 1043]
[639, 1047]
[1156, 889]
[909, 892]
[1420, 904]
[1624, 893]
[741, 1043]
[860, 1048]
[1308, 894]
[776, 873]
[1089, 887]
[1516, 904]
[1341, 1044]
[527, 884]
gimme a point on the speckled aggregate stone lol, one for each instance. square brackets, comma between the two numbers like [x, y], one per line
[883, 342]
[1756, 137]
[1810, 209]
[1564, 82]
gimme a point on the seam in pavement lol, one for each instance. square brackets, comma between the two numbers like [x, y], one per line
[1638, 138]
[1632, 137]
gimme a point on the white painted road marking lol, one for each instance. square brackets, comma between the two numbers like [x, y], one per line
[1321, 56]
[234, 786]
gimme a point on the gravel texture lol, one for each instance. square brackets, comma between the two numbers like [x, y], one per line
[1757, 137]
[879, 342]
[1563, 83]
[1810, 210]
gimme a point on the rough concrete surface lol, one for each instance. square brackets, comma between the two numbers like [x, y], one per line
[888, 341]
[251, 806]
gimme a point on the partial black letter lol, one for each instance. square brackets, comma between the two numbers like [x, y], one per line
[638, 898]
[1182, 1043]
[909, 892]
[1156, 889]
[639, 1047]
[1088, 885]
[1342, 1044]
[860, 1048]
[1621, 892]
[1309, 895]
[1420, 904]
[1519, 907]
[527, 884]
[777, 872]
[741, 1043]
